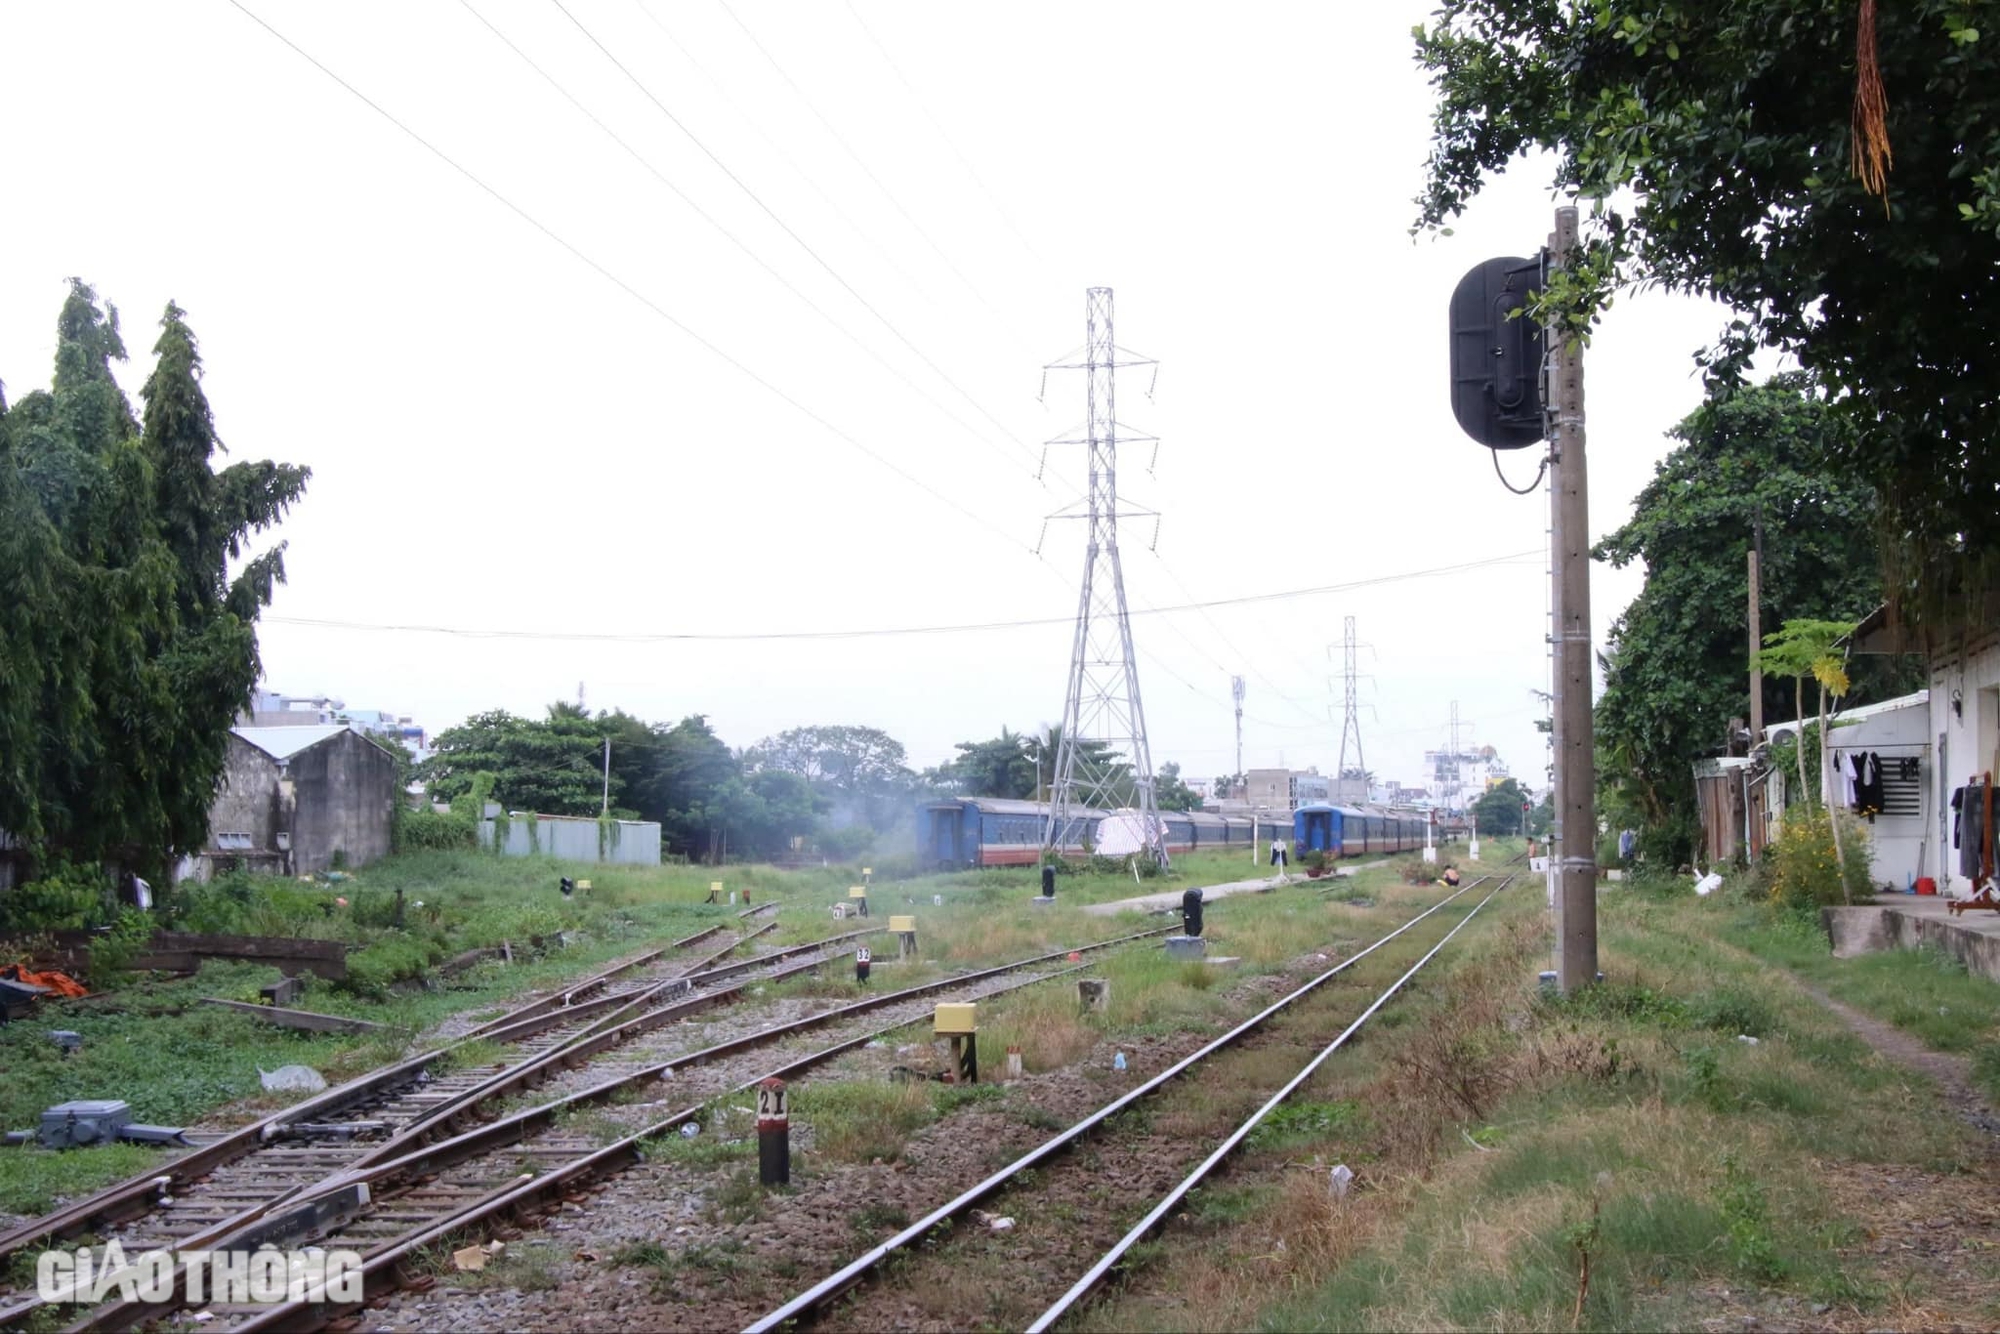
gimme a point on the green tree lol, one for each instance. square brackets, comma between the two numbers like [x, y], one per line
[130, 645]
[1001, 767]
[693, 762]
[1542, 818]
[1676, 666]
[1096, 764]
[1803, 648]
[551, 766]
[1497, 810]
[861, 771]
[1170, 793]
[1717, 147]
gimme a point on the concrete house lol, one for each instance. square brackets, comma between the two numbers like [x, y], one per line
[1956, 738]
[293, 797]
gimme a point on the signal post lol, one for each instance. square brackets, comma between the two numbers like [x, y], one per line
[1513, 386]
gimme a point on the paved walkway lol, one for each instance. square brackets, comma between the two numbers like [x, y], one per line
[1171, 899]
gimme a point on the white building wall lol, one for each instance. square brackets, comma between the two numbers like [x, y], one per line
[1898, 848]
[1965, 732]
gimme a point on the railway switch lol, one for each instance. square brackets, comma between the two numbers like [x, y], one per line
[72, 1125]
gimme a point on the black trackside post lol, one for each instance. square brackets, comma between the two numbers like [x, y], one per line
[774, 1135]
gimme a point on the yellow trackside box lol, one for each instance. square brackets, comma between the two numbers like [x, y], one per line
[856, 892]
[956, 1019]
[903, 923]
[583, 885]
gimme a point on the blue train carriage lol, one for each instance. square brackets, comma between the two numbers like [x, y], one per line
[990, 831]
[1352, 831]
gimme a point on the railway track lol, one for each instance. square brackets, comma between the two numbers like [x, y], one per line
[1032, 1173]
[252, 1185]
[533, 1160]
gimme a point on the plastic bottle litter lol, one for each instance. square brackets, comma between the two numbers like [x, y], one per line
[690, 1129]
[1339, 1180]
[1745, 1037]
[1118, 1061]
[292, 1079]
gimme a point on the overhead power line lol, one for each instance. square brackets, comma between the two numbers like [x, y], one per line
[916, 97]
[866, 170]
[782, 225]
[743, 245]
[624, 286]
[884, 632]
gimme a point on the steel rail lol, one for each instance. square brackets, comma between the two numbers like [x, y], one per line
[1110, 1260]
[380, 1266]
[567, 997]
[254, 1223]
[597, 1039]
[831, 1287]
[133, 1197]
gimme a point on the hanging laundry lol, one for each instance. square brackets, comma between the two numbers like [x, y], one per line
[1867, 778]
[1968, 829]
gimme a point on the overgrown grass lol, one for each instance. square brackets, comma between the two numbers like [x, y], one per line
[456, 901]
[1500, 1136]
[863, 1120]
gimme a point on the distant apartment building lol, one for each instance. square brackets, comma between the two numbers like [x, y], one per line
[270, 708]
[1286, 789]
[1459, 777]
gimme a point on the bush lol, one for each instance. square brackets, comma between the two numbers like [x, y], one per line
[62, 898]
[111, 954]
[432, 831]
[845, 845]
[1802, 869]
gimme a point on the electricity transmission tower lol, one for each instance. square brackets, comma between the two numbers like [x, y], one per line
[1103, 701]
[1351, 723]
[1236, 691]
[1457, 788]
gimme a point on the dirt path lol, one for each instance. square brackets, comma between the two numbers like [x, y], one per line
[1953, 1073]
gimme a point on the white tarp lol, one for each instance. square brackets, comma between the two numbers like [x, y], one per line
[1122, 833]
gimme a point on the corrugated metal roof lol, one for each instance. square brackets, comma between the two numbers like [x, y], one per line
[281, 743]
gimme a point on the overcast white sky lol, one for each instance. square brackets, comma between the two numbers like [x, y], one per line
[501, 438]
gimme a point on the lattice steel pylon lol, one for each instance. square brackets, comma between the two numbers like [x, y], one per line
[1102, 704]
[1351, 724]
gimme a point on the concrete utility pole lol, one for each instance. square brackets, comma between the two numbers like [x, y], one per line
[606, 809]
[1756, 632]
[1237, 690]
[1576, 766]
